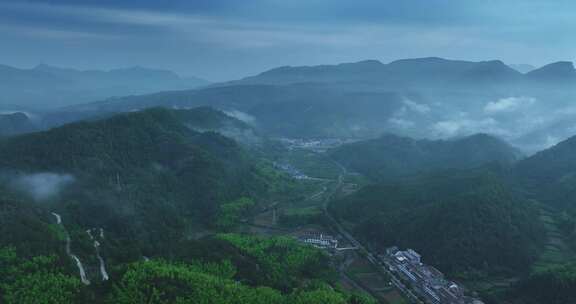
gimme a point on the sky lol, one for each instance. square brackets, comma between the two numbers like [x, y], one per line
[229, 39]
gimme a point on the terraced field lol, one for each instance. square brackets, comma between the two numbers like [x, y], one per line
[556, 251]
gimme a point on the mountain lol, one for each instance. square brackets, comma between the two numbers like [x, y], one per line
[459, 220]
[46, 86]
[131, 205]
[128, 77]
[422, 98]
[226, 268]
[15, 123]
[554, 285]
[300, 110]
[523, 67]
[24, 226]
[360, 71]
[559, 72]
[392, 156]
[144, 176]
[404, 73]
[550, 175]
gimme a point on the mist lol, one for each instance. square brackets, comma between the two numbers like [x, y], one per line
[42, 186]
[288, 151]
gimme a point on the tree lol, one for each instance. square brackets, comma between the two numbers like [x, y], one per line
[38, 280]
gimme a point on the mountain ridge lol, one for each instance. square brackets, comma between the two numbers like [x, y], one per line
[46, 86]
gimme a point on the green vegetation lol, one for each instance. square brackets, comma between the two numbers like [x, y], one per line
[159, 282]
[38, 280]
[462, 221]
[207, 118]
[157, 180]
[151, 180]
[24, 227]
[295, 217]
[311, 163]
[556, 285]
[287, 273]
[230, 213]
[285, 263]
[390, 156]
[145, 177]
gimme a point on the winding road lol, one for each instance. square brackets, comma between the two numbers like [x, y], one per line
[371, 257]
[81, 269]
[103, 271]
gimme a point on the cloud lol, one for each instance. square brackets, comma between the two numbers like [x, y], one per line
[246, 37]
[464, 126]
[401, 123]
[509, 104]
[416, 107]
[42, 186]
[245, 117]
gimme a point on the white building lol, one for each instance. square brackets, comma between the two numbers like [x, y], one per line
[319, 240]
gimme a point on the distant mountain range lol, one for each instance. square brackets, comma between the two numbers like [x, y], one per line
[414, 72]
[47, 86]
[419, 98]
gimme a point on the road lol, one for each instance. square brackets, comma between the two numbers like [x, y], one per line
[371, 257]
[81, 270]
[103, 271]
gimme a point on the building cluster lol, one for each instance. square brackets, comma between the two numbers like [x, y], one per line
[428, 282]
[317, 145]
[319, 240]
[290, 170]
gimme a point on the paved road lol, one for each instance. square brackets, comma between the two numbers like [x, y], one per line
[372, 257]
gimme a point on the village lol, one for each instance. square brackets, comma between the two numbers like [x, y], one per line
[420, 282]
[425, 280]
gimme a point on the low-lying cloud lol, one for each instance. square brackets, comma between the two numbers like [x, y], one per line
[42, 186]
[509, 104]
[466, 126]
[244, 117]
[416, 107]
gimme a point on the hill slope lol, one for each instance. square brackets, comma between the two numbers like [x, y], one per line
[143, 176]
[393, 156]
[550, 175]
[287, 111]
[15, 123]
[459, 220]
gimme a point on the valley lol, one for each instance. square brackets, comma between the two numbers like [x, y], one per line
[306, 191]
[286, 192]
[287, 152]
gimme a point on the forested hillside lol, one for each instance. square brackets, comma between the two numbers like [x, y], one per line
[145, 176]
[556, 285]
[550, 174]
[15, 123]
[240, 270]
[125, 210]
[391, 156]
[460, 220]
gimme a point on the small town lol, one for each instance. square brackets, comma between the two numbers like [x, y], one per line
[425, 283]
[425, 280]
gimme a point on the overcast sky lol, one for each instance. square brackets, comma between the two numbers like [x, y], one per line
[227, 39]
